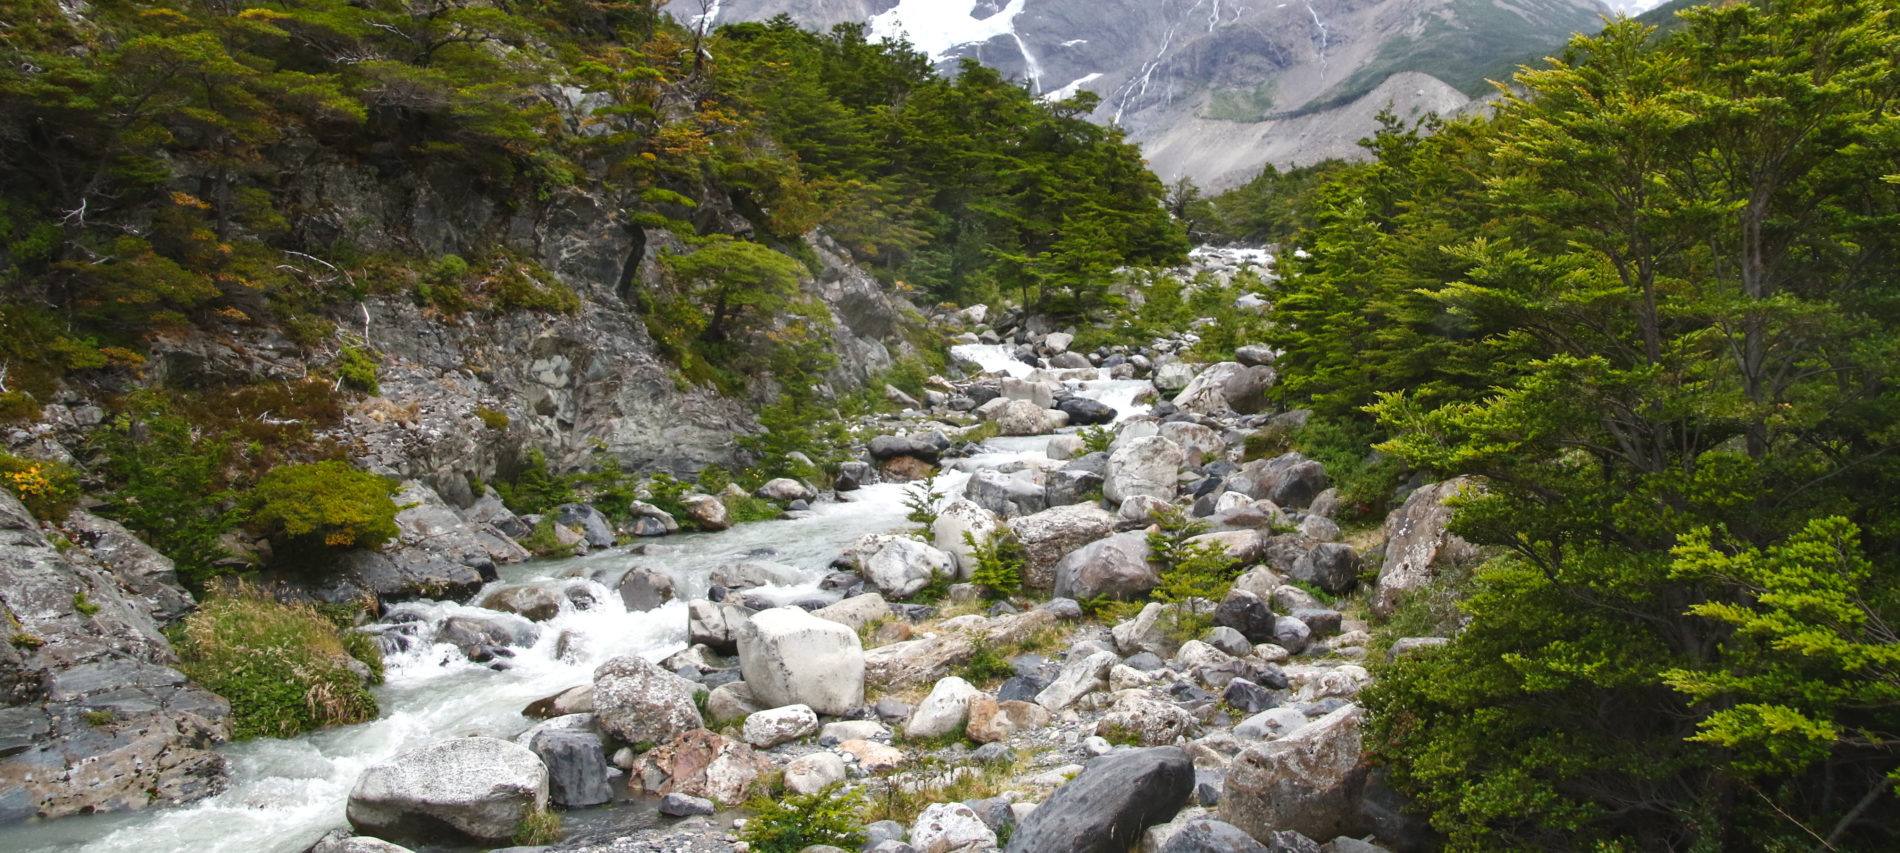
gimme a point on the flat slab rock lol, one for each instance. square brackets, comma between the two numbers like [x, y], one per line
[479, 788]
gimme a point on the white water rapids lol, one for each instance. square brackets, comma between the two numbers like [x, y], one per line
[285, 794]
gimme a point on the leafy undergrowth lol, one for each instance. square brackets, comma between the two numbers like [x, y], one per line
[285, 668]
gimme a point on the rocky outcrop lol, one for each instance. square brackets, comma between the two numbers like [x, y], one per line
[474, 788]
[93, 716]
[1309, 781]
[1418, 544]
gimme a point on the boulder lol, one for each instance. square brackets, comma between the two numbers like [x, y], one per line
[899, 566]
[1139, 717]
[1254, 355]
[785, 490]
[1105, 808]
[1291, 480]
[339, 841]
[767, 729]
[681, 805]
[1147, 632]
[1062, 448]
[715, 624]
[475, 788]
[1009, 495]
[1145, 466]
[1332, 566]
[700, 763]
[537, 602]
[1227, 387]
[1212, 836]
[1141, 509]
[752, 574]
[1042, 394]
[1291, 634]
[1245, 612]
[642, 589]
[887, 447]
[730, 701]
[1080, 676]
[1418, 545]
[993, 722]
[1072, 485]
[637, 702]
[1308, 781]
[1050, 535]
[809, 774]
[150, 577]
[595, 528]
[957, 518]
[790, 657]
[1021, 417]
[476, 634]
[914, 663]
[650, 520]
[1083, 411]
[856, 612]
[1116, 566]
[951, 828]
[944, 711]
[1173, 376]
[577, 767]
[706, 511]
[574, 700]
[1199, 444]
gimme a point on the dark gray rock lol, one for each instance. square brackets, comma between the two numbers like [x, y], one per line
[1333, 566]
[475, 634]
[1207, 785]
[681, 805]
[1291, 634]
[592, 523]
[1247, 613]
[1106, 807]
[1230, 641]
[1146, 662]
[1021, 689]
[886, 447]
[1065, 486]
[577, 767]
[1086, 412]
[1322, 623]
[1247, 697]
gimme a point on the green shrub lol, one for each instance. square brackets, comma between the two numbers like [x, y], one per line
[533, 490]
[1095, 439]
[538, 830]
[18, 406]
[84, 605]
[748, 508]
[793, 822]
[985, 664]
[48, 489]
[357, 369]
[541, 541]
[497, 421]
[284, 667]
[999, 563]
[922, 498]
[1190, 571]
[324, 502]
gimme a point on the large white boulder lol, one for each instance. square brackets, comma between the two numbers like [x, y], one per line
[790, 657]
[767, 729]
[477, 787]
[944, 711]
[1418, 544]
[901, 566]
[1145, 466]
[1021, 417]
[1227, 387]
[957, 518]
[1116, 566]
[951, 828]
[638, 702]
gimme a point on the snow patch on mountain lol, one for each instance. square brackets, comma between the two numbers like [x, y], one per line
[938, 27]
[1070, 90]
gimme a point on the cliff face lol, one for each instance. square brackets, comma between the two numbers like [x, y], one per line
[1212, 89]
[93, 716]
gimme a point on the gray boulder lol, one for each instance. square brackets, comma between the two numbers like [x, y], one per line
[1083, 411]
[786, 490]
[1309, 781]
[1050, 535]
[638, 702]
[1333, 566]
[577, 767]
[642, 589]
[477, 634]
[592, 523]
[1106, 807]
[1418, 545]
[1116, 566]
[1008, 495]
[1227, 387]
[707, 511]
[476, 788]
[1247, 613]
[1212, 836]
[1145, 466]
